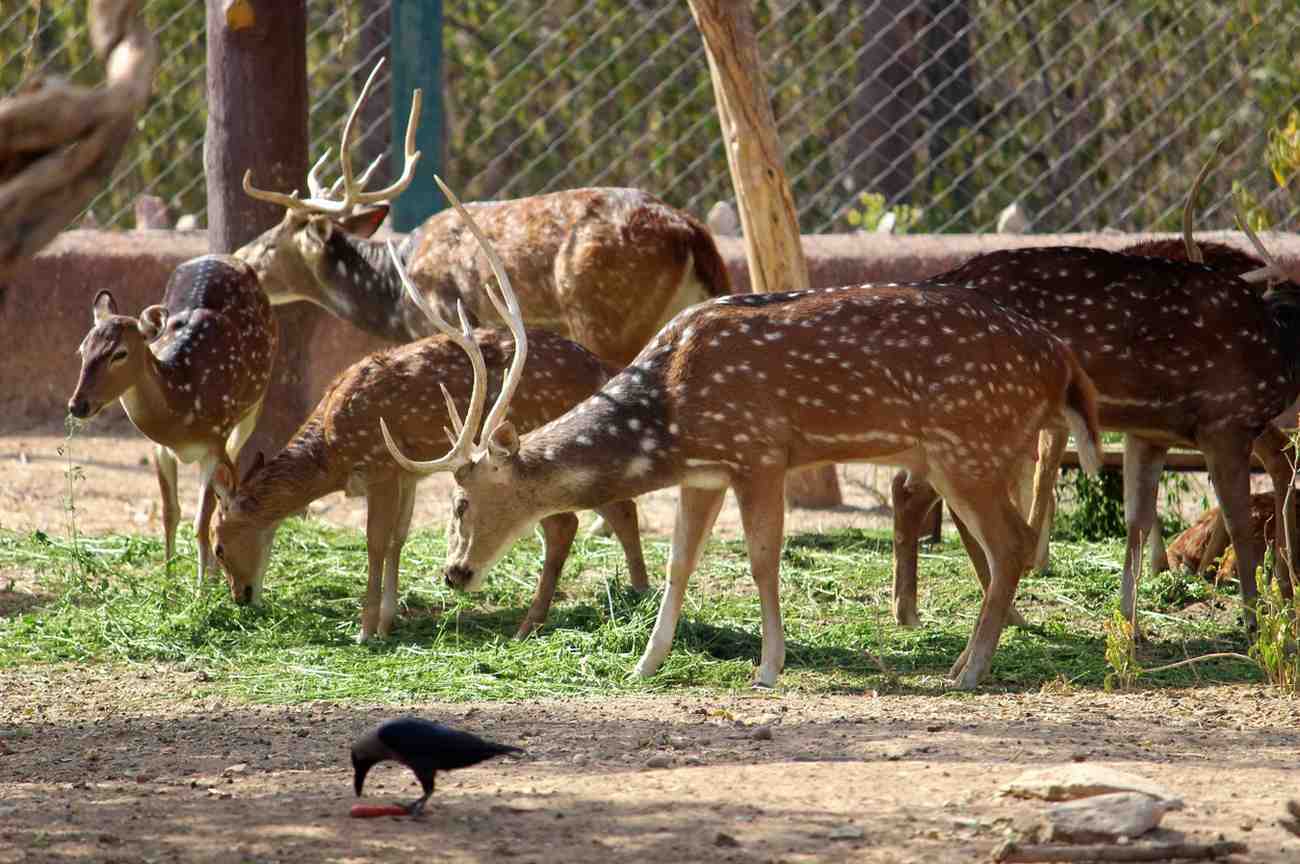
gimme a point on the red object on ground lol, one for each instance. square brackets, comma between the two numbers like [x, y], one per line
[372, 811]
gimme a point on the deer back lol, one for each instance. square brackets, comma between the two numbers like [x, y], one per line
[218, 344]
[1171, 346]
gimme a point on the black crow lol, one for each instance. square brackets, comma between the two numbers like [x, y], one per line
[423, 746]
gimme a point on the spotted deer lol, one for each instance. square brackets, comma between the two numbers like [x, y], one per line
[1182, 353]
[190, 373]
[604, 267]
[339, 447]
[738, 390]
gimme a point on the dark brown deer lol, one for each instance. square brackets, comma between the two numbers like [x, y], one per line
[603, 267]
[190, 373]
[339, 448]
[1217, 363]
[736, 391]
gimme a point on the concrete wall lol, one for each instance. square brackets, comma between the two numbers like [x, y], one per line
[45, 304]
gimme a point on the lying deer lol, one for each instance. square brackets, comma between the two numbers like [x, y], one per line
[603, 267]
[338, 448]
[736, 391]
[1181, 353]
[190, 373]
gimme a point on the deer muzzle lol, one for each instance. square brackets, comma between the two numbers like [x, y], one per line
[458, 577]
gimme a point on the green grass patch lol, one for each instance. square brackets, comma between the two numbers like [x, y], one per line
[111, 600]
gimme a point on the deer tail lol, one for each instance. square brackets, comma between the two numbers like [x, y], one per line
[710, 269]
[1080, 412]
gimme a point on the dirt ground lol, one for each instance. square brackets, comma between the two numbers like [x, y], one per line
[144, 764]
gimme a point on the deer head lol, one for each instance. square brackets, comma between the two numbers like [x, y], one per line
[294, 258]
[113, 354]
[490, 459]
[241, 545]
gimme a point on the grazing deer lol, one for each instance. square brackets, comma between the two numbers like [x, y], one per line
[736, 391]
[339, 448]
[1181, 353]
[190, 373]
[603, 267]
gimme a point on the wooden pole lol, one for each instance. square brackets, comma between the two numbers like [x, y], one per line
[257, 118]
[763, 197]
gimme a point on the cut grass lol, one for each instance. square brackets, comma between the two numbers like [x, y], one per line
[110, 600]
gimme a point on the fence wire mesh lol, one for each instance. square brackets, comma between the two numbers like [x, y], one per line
[1086, 113]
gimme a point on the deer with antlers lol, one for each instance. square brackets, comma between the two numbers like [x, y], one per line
[339, 448]
[736, 391]
[603, 267]
[190, 373]
[1217, 363]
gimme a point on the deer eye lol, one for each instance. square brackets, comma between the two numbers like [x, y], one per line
[119, 355]
[461, 506]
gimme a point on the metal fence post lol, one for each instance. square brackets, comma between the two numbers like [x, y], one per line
[415, 51]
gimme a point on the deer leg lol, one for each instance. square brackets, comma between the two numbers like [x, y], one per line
[621, 517]
[393, 555]
[1214, 547]
[980, 562]
[383, 507]
[558, 532]
[1271, 448]
[203, 515]
[164, 464]
[1042, 508]
[913, 500]
[696, 511]
[1228, 459]
[1143, 462]
[762, 515]
[1157, 555]
[1008, 541]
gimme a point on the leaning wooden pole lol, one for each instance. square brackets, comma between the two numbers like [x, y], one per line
[763, 197]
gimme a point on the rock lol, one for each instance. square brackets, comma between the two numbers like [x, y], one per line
[761, 733]
[237, 768]
[846, 832]
[1084, 780]
[725, 840]
[659, 760]
[1103, 818]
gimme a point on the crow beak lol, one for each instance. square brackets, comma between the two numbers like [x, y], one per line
[360, 769]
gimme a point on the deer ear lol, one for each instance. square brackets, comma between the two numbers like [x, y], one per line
[152, 321]
[223, 483]
[103, 306]
[504, 441]
[366, 222]
[258, 461]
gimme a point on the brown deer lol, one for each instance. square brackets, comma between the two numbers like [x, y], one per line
[1217, 363]
[603, 267]
[338, 448]
[190, 373]
[736, 391]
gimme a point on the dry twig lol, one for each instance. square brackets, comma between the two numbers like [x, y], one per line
[1015, 852]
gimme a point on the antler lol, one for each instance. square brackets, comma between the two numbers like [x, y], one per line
[322, 200]
[463, 448]
[1271, 270]
[1193, 251]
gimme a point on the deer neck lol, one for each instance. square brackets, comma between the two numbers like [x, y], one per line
[293, 478]
[599, 453]
[147, 402]
[360, 284]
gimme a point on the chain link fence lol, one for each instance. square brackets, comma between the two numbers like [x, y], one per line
[1088, 114]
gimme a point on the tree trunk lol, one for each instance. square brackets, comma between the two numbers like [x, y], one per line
[885, 103]
[767, 214]
[257, 118]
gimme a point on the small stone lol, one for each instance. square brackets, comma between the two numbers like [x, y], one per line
[725, 840]
[761, 733]
[1083, 780]
[237, 768]
[1103, 818]
[659, 760]
[847, 832]
[693, 760]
